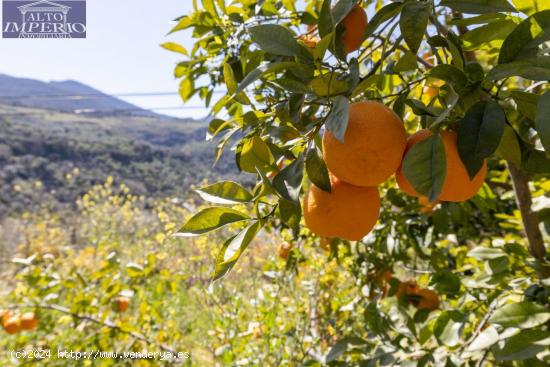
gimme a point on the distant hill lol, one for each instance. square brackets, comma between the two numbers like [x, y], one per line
[51, 156]
[65, 96]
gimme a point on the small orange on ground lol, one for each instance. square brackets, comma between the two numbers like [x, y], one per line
[426, 299]
[122, 304]
[406, 288]
[11, 325]
[373, 145]
[355, 24]
[325, 244]
[457, 186]
[29, 321]
[348, 212]
[284, 250]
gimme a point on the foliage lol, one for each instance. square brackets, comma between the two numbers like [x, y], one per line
[489, 70]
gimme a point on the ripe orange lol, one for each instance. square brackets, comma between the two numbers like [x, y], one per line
[122, 304]
[406, 288]
[373, 145]
[355, 24]
[11, 324]
[425, 299]
[284, 250]
[29, 321]
[457, 185]
[348, 212]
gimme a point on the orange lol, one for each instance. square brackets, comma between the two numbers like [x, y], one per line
[373, 145]
[425, 299]
[29, 321]
[348, 212]
[122, 304]
[457, 186]
[284, 250]
[11, 324]
[406, 288]
[355, 24]
[325, 244]
[309, 41]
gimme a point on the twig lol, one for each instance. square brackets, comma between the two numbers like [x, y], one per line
[133, 334]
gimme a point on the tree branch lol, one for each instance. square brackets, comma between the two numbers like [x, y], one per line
[520, 182]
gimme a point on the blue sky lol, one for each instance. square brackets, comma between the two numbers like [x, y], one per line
[121, 53]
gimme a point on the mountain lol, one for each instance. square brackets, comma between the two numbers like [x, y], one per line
[51, 156]
[65, 96]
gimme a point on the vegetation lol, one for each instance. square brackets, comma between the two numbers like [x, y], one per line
[52, 158]
[328, 258]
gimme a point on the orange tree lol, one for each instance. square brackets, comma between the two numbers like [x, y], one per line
[455, 272]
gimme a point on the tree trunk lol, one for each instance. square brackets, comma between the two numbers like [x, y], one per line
[520, 180]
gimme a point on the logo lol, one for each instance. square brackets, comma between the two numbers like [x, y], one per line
[44, 19]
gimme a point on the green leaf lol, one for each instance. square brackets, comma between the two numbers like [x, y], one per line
[523, 42]
[342, 346]
[255, 153]
[229, 78]
[321, 48]
[337, 119]
[487, 34]
[527, 103]
[542, 121]
[290, 213]
[174, 47]
[479, 134]
[183, 23]
[450, 74]
[288, 182]
[341, 9]
[316, 169]
[233, 248]
[486, 253]
[509, 148]
[535, 162]
[385, 13]
[186, 89]
[537, 68]
[264, 70]
[419, 108]
[478, 6]
[225, 192]
[278, 40]
[485, 339]
[328, 84]
[210, 219]
[448, 328]
[527, 344]
[530, 7]
[134, 270]
[413, 23]
[523, 315]
[406, 63]
[446, 282]
[326, 23]
[425, 166]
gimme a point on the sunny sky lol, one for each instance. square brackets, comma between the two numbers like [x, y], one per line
[121, 53]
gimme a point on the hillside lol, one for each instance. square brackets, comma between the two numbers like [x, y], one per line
[49, 156]
[65, 96]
